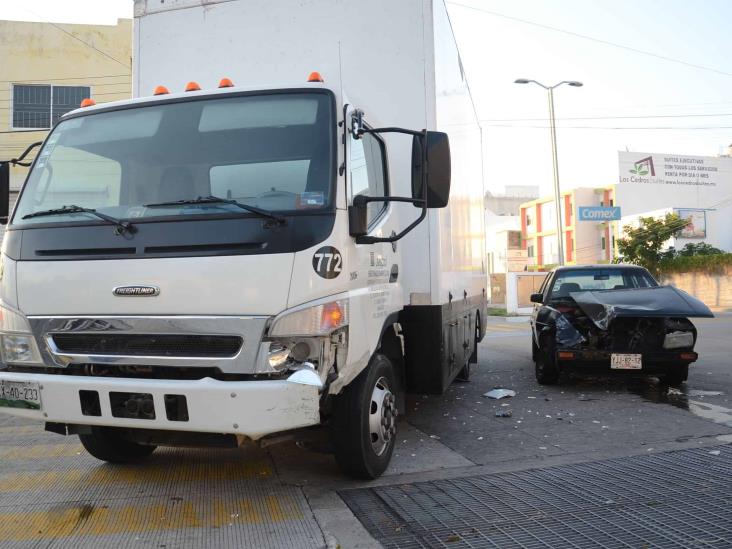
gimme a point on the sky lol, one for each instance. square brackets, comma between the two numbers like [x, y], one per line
[629, 101]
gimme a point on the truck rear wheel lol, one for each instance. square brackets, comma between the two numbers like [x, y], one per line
[364, 421]
[108, 444]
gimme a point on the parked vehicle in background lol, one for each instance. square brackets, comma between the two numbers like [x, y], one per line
[612, 318]
[296, 244]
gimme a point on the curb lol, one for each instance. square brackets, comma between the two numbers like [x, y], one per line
[513, 319]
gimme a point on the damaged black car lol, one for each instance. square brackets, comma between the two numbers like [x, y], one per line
[615, 318]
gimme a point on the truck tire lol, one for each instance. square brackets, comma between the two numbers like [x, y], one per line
[545, 364]
[108, 444]
[364, 421]
[677, 374]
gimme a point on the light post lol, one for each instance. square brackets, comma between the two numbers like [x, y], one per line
[553, 130]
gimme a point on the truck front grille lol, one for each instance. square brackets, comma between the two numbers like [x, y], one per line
[149, 345]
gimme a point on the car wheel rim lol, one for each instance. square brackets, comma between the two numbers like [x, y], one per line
[382, 416]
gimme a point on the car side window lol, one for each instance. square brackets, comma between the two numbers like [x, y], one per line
[367, 172]
[546, 285]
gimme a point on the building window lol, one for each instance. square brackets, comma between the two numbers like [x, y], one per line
[38, 106]
[530, 251]
[603, 243]
[528, 219]
[612, 203]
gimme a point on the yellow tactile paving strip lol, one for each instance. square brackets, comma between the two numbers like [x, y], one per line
[53, 494]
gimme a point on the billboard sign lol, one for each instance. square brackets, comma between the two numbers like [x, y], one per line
[696, 226]
[670, 169]
[599, 213]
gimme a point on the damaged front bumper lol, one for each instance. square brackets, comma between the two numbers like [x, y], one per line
[251, 409]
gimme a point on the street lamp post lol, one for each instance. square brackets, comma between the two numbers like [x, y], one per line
[553, 130]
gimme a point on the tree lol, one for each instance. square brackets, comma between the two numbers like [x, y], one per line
[642, 245]
[699, 248]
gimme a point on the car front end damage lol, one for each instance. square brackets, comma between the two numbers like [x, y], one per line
[642, 330]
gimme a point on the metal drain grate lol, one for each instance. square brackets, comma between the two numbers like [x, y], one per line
[677, 499]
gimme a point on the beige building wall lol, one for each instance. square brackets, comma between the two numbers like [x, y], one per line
[97, 56]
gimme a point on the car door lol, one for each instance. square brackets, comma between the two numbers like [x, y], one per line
[538, 307]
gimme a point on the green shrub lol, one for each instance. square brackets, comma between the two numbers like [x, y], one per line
[709, 263]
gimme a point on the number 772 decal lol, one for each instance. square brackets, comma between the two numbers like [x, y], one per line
[327, 262]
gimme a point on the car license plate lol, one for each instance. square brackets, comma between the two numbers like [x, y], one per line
[20, 394]
[625, 362]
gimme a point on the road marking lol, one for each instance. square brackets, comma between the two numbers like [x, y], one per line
[79, 520]
[39, 451]
[22, 429]
[105, 475]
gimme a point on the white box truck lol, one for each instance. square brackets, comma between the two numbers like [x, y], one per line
[260, 241]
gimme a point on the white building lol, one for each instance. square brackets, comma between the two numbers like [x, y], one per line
[698, 188]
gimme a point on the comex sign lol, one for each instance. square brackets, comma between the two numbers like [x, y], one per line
[599, 213]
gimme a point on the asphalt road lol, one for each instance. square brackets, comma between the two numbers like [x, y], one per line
[52, 494]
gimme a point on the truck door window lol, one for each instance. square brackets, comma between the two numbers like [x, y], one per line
[367, 172]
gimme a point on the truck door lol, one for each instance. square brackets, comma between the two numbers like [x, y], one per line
[378, 264]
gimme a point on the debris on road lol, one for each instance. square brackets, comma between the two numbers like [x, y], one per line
[700, 393]
[504, 413]
[714, 452]
[499, 393]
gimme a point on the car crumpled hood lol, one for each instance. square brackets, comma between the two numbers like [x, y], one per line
[602, 306]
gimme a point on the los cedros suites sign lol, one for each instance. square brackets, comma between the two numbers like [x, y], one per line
[670, 169]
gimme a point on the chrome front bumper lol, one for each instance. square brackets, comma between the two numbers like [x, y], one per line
[250, 359]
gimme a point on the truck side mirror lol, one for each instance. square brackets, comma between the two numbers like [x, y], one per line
[438, 169]
[358, 216]
[4, 192]
[537, 298]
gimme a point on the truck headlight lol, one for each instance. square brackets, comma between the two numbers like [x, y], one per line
[17, 344]
[318, 320]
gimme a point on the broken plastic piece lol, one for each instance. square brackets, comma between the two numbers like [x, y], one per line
[499, 393]
[504, 413]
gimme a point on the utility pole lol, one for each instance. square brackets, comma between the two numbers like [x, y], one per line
[555, 162]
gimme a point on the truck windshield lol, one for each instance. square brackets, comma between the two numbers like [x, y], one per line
[273, 152]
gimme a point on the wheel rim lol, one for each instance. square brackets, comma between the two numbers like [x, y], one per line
[382, 416]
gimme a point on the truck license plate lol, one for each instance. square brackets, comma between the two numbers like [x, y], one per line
[20, 394]
[625, 362]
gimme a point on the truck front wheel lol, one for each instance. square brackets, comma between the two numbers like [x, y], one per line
[364, 421]
[108, 444]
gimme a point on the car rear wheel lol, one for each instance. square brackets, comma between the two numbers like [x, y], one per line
[545, 365]
[677, 374]
[109, 444]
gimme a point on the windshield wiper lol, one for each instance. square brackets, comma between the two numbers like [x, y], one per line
[121, 227]
[218, 200]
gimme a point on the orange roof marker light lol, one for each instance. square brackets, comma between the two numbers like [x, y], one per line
[192, 87]
[161, 90]
[315, 77]
[88, 102]
[226, 83]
